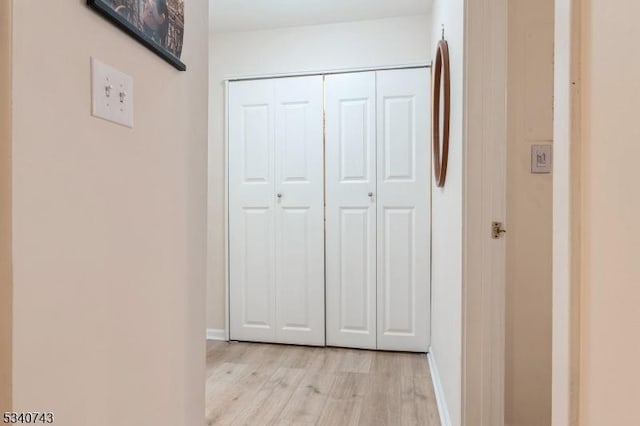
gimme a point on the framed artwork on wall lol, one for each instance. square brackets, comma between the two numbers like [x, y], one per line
[157, 24]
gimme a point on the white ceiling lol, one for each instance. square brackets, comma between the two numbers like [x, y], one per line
[247, 15]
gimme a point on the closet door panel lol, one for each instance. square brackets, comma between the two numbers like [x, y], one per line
[350, 104]
[251, 211]
[299, 210]
[403, 208]
[355, 272]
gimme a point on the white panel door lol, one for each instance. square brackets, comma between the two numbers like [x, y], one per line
[299, 211]
[350, 102]
[251, 211]
[403, 209]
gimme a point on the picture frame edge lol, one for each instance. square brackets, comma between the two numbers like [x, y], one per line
[108, 13]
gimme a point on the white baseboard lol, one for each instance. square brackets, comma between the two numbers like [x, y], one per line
[441, 401]
[216, 334]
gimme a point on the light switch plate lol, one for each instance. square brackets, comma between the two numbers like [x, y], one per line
[541, 158]
[112, 94]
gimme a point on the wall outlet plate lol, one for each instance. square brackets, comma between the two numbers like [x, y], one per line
[111, 94]
[541, 158]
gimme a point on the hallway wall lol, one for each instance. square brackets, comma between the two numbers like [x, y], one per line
[109, 224]
[529, 211]
[446, 272]
[610, 292]
[320, 47]
[6, 282]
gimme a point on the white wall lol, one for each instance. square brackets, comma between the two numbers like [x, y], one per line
[322, 47]
[446, 334]
[529, 199]
[610, 347]
[109, 224]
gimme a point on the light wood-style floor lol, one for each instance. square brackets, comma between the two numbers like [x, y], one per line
[260, 384]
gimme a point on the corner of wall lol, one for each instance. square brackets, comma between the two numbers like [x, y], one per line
[6, 278]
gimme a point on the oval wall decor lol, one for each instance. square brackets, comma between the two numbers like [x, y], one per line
[441, 104]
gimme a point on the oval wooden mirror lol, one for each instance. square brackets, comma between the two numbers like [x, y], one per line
[441, 113]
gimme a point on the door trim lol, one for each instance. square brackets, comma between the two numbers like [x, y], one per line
[227, 283]
[565, 377]
[327, 72]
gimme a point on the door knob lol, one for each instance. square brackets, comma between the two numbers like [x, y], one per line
[371, 195]
[279, 195]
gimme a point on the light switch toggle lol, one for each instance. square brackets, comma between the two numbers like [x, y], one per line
[112, 94]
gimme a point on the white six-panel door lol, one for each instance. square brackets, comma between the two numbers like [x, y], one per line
[251, 211]
[350, 103]
[299, 211]
[403, 210]
[276, 235]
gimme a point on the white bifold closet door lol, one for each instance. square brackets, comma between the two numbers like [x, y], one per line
[350, 104]
[403, 210]
[276, 232]
[378, 210]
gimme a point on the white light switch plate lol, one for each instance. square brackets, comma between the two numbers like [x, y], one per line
[541, 158]
[112, 94]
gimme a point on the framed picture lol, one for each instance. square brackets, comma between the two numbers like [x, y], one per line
[158, 24]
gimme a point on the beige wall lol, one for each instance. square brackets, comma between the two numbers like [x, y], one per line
[529, 210]
[6, 298]
[446, 263]
[320, 47]
[109, 224]
[610, 371]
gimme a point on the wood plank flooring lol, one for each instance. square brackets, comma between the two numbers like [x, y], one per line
[260, 384]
